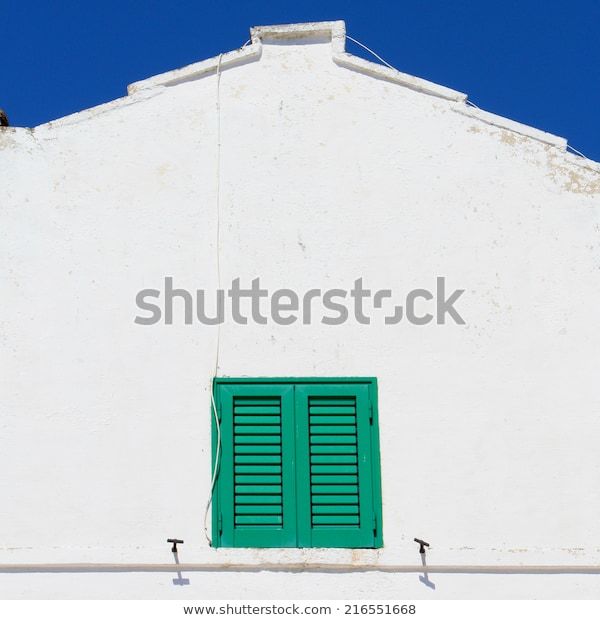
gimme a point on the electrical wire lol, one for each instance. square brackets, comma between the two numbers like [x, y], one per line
[218, 265]
[387, 64]
[570, 148]
[215, 466]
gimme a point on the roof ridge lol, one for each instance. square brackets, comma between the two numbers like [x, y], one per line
[336, 30]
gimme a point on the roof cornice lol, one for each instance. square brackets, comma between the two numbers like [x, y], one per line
[317, 32]
[333, 30]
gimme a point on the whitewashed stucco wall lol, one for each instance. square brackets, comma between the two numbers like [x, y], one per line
[489, 431]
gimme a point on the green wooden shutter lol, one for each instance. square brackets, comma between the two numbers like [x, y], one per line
[256, 505]
[334, 470]
[299, 463]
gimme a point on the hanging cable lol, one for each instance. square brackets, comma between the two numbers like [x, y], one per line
[218, 265]
[574, 150]
[387, 64]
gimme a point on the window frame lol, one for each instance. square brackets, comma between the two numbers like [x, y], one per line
[292, 382]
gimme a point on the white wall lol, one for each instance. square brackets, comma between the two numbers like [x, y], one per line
[489, 431]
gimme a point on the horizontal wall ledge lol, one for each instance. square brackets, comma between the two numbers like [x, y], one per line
[298, 567]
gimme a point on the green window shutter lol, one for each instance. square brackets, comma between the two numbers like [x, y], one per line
[256, 491]
[334, 469]
[299, 464]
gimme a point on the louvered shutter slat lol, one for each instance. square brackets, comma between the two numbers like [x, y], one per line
[335, 481]
[336, 470]
[257, 471]
[258, 441]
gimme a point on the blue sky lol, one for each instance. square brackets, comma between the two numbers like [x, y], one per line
[537, 62]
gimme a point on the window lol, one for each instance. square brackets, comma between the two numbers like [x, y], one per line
[299, 463]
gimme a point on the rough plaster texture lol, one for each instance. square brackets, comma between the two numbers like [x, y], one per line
[330, 170]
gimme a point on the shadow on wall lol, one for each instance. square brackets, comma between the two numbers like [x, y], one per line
[424, 578]
[179, 580]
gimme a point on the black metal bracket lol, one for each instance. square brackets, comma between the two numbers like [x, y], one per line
[422, 544]
[175, 542]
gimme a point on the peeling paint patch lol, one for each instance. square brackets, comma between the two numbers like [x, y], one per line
[6, 138]
[512, 138]
[571, 179]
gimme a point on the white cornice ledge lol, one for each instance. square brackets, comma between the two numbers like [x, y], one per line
[334, 31]
[198, 69]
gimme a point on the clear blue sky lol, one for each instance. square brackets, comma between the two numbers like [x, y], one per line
[537, 62]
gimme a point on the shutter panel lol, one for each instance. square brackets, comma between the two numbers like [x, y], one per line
[334, 472]
[333, 448]
[299, 463]
[256, 482]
